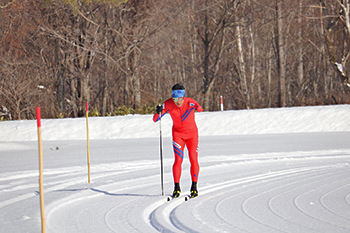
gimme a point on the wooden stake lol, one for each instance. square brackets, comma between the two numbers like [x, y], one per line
[41, 168]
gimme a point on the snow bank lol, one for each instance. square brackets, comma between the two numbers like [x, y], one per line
[259, 121]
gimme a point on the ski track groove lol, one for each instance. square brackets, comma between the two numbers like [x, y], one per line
[267, 180]
[246, 180]
[97, 193]
[162, 216]
[304, 208]
[268, 197]
[291, 187]
[348, 199]
[50, 186]
[329, 207]
[113, 222]
[282, 176]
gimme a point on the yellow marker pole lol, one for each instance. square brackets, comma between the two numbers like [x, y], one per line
[88, 142]
[41, 168]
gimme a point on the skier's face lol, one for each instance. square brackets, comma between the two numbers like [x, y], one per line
[179, 101]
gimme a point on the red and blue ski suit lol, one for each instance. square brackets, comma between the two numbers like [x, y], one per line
[184, 132]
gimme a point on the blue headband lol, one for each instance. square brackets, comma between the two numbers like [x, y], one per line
[178, 93]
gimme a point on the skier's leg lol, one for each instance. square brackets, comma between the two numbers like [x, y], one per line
[178, 145]
[193, 148]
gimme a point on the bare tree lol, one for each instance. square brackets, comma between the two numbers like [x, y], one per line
[19, 74]
[281, 51]
[216, 16]
[255, 53]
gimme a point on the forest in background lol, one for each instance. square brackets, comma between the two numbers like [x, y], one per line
[123, 55]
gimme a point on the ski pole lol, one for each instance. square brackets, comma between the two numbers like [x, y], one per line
[161, 152]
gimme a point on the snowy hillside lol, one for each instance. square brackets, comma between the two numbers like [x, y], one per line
[266, 170]
[261, 121]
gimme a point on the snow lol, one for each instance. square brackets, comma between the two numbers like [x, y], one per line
[340, 68]
[265, 170]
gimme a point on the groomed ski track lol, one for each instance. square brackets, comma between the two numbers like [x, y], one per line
[257, 189]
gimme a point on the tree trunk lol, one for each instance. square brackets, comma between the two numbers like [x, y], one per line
[281, 59]
[106, 65]
[323, 61]
[59, 77]
[206, 61]
[300, 57]
[194, 46]
[345, 4]
[105, 89]
[269, 78]
[73, 101]
[252, 56]
[242, 68]
[137, 84]
[133, 79]
[85, 94]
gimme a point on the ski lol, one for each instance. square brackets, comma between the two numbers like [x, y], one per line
[169, 198]
[188, 197]
[194, 193]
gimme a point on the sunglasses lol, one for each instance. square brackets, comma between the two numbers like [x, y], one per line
[178, 99]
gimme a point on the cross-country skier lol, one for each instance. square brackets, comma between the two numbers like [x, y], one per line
[184, 132]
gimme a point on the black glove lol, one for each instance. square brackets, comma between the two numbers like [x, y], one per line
[159, 109]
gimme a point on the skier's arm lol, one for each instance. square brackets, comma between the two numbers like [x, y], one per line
[160, 113]
[199, 108]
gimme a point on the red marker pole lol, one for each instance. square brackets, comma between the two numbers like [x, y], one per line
[41, 168]
[88, 141]
[221, 103]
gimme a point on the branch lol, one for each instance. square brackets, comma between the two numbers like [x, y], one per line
[3, 7]
[342, 5]
[84, 16]
[321, 17]
[96, 50]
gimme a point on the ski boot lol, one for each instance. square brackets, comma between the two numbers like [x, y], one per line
[194, 191]
[177, 191]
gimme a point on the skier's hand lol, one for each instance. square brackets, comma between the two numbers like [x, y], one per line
[159, 109]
